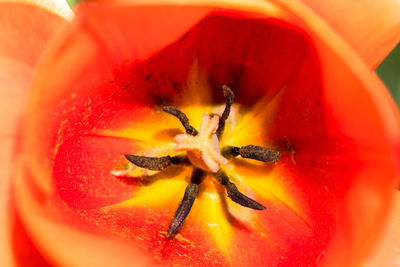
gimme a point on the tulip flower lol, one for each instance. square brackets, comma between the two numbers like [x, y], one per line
[129, 153]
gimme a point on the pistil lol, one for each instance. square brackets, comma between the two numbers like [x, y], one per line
[202, 149]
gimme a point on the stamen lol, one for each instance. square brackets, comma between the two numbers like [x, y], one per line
[187, 202]
[155, 164]
[234, 194]
[252, 152]
[260, 153]
[229, 96]
[182, 118]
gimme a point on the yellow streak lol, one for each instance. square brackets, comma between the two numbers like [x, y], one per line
[270, 188]
[197, 89]
[154, 128]
[214, 219]
[254, 124]
[157, 194]
[197, 95]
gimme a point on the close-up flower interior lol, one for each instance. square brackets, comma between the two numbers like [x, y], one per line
[204, 134]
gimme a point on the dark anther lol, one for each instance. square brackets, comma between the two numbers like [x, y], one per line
[187, 202]
[155, 164]
[260, 153]
[234, 194]
[230, 152]
[183, 209]
[228, 94]
[182, 118]
[252, 152]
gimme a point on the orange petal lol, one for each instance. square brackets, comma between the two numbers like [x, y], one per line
[372, 28]
[26, 29]
[13, 77]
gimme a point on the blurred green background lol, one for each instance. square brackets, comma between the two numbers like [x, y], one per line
[388, 70]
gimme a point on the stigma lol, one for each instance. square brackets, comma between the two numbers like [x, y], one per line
[203, 149]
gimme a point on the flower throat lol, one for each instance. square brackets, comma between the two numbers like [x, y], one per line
[204, 153]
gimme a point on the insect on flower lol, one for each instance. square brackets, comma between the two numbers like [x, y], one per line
[204, 153]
